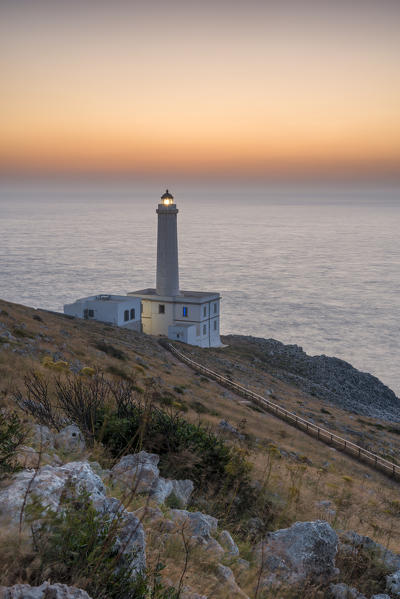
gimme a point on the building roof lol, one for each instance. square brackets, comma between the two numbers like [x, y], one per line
[189, 296]
[104, 298]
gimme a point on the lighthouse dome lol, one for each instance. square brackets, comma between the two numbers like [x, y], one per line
[167, 198]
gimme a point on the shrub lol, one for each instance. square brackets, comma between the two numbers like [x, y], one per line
[37, 317]
[81, 399]
[21, 333]
[87, 371]
[12, 436]
[179, 389]
[199, 407]
[110, 350]
[148, 427]
[362, 568]
[36, 401]
[173, 502]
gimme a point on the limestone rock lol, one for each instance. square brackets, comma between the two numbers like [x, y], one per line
[343, 591]
[393, 584]
[228, 543]
[140, 472]
[200, 525]
[306, 550]
[182, 490]
[227, 578]
[44, 591]
[48, 483]
[70, 439]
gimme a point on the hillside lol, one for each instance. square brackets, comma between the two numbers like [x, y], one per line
[276, 475]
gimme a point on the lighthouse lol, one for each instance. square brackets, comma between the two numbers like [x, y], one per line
[167, 279]
[192, 317]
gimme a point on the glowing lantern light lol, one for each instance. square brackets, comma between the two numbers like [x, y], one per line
[167, 198]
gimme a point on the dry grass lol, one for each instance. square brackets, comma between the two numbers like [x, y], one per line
[364, 501]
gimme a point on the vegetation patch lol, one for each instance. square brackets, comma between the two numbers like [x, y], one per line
[12, 436]
[110, 350]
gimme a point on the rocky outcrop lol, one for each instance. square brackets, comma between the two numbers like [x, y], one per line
[139, 472]
[305, 551]
[228, 543]
[47, 485]
[343, 591]
[393, 584]
[44, 591]
[70, 439]
[326, 377]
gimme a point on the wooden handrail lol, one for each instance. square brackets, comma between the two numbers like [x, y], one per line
[322, 434]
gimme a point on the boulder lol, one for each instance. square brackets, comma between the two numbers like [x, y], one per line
[393, 584]
[44, 591]
[182, 490]
[227, 578]
[304, 551]
[343, 591]
[70, 439]
[140, 472]
[48, 483]
[200, 525]
[228, 543]
[380, 596]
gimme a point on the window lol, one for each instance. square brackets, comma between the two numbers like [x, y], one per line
[205, 311]
[132, 313]
[204, 329]
[141, 308]
[215, 308]
[126, 315]
[215, 325]
[184, 311]
[91, 313]
[197, 330]
[161, 309]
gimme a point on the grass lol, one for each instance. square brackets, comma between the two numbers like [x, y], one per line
[367, 505]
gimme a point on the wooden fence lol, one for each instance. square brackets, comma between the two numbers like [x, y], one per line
[322, 434]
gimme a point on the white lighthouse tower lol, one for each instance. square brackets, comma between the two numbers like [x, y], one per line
[189, 316]
[167, 282]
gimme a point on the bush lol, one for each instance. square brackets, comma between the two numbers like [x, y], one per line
[12, 435]
[169, 435]
[37, 402]
[110, 350]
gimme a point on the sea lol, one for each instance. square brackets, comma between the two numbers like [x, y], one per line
[313, 265]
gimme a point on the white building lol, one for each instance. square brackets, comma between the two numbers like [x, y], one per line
[120, 310]
[189, 316]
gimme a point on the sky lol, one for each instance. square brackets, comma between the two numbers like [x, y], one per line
[249, 88]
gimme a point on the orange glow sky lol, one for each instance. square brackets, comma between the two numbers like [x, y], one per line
[202, 88]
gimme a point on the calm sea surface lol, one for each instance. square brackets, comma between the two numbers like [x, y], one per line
[317, 267]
